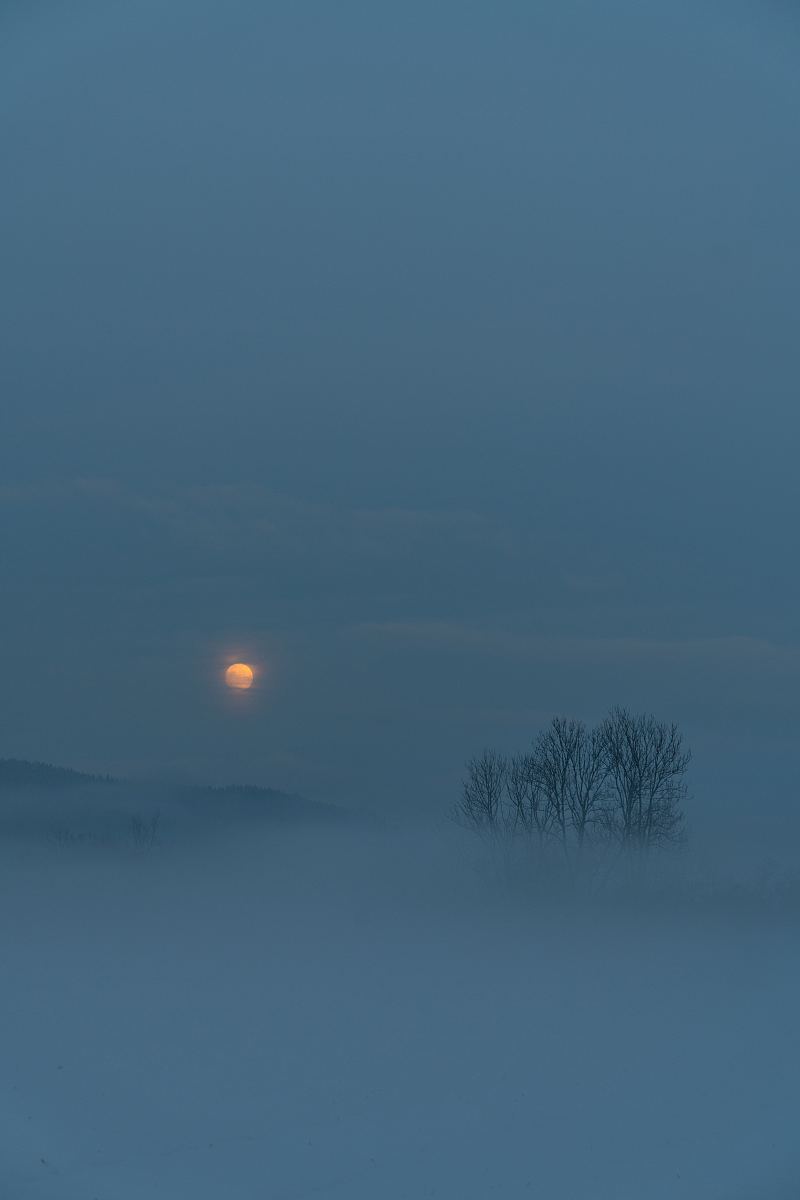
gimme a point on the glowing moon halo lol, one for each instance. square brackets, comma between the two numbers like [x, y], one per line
[239, 676]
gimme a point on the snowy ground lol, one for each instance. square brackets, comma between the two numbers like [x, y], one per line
[362, 1016]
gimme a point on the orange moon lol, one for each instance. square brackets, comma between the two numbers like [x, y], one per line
[239, 676]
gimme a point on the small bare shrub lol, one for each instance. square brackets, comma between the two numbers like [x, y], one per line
[144, 833]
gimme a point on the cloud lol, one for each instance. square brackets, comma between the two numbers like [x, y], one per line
[239, 525]
[714, 652]
[248, 517]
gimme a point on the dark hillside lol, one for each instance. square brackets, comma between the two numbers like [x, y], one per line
[18, 773]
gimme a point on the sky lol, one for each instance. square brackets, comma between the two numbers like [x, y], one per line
[440, 359]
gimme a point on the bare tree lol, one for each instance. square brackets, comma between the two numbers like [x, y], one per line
[646, 765]
[554, 755]
[570, 766]
[529, 809]
[588, 781]
[623, 781]
[481, 804]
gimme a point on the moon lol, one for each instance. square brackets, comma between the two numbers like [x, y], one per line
[239, 676]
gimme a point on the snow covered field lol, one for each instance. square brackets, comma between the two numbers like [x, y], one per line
[367, 1017]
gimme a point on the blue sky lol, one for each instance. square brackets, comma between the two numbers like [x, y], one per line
[440, 357]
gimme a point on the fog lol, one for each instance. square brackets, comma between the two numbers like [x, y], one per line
[438, 361]
[361, 1013]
